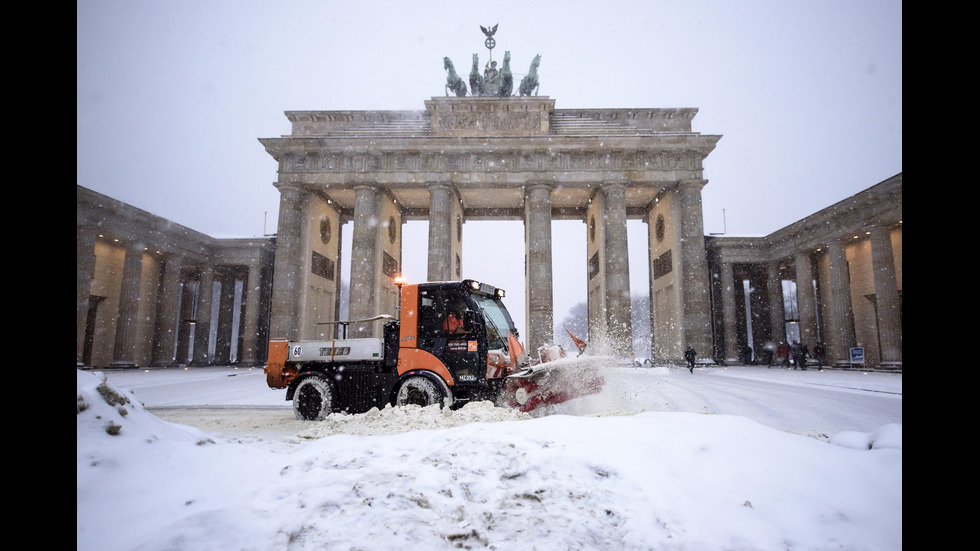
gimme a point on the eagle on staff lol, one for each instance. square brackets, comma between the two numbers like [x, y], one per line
[490, 42]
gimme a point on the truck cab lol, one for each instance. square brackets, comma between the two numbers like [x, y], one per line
[465, 327]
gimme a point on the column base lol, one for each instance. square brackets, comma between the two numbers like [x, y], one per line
[891, 366]
[847, 365]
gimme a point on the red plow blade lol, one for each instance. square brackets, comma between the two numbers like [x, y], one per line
[551, 383]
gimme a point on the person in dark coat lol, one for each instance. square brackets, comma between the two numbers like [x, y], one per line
[818, 352]
[689, 355]
[799, 352]
[747, 355]
[770, 349]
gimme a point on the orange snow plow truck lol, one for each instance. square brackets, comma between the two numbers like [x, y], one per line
[453, 342]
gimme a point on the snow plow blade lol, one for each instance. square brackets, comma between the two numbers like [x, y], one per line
[552, 382]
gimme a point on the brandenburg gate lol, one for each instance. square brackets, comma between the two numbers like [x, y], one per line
[500, 158]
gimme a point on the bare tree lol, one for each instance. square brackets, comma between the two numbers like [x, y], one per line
[577, 322]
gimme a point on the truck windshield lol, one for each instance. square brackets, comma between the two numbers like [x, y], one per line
[499, 322]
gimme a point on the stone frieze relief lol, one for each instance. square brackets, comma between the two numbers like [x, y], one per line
[494, 161]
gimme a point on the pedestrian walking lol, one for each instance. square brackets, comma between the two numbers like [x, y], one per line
[818, 353]
[689, 355]
[794, 351]
[804, 352]
[746, 355]
[782, 353]
[770, 349]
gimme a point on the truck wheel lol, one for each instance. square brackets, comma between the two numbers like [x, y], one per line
[313, 399]
[418, 391]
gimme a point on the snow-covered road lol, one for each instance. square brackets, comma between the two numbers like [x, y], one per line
[813, 403]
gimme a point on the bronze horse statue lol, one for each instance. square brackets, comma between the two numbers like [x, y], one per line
[530, 82]
[453, 82]
[506, 78]
[476, 79]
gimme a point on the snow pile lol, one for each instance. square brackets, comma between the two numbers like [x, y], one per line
[888, 436]
[479, 478]
[397, 420]
[103, 408]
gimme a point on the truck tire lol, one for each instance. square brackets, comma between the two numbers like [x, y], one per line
[313, 399]
[419, 391]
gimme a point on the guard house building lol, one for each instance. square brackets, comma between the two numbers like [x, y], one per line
[835, 276]
[154, 293]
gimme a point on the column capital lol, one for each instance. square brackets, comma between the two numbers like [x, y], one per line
[86, 231]
[434, 187]
[440, 185]
[537, 187]
[372, 186]
[879, 228]
[175, 256]
[614, 183]
[293, 186]
[699, 183]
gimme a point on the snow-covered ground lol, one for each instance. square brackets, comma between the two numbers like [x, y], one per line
[724, 458]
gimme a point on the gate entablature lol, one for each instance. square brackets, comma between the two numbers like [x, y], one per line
[482, 146]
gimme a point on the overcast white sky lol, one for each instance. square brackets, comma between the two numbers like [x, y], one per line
[173, 95]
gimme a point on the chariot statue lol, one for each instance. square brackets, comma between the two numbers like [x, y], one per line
[492, 81]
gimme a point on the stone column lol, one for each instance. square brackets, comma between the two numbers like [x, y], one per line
[888, 306]
[617, 269]
[840, 330]
[189, 291]
[85, 265]
[168, 312]
[652, 313]
[694, 266]
[287, 271]
[806, 300]
[127, 322]
[341, 220]
[226, 318]
[250, 333]
[729, 312]
[441, 197]
[777, 311]
[364, 258]
[537, 242]
[202, 325]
